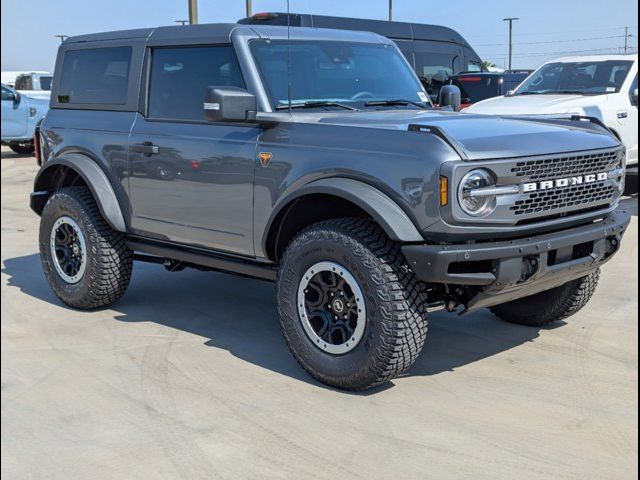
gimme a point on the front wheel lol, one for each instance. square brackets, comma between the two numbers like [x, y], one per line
[26, 148]
[550, 306]
[352, 313]
[86, 262]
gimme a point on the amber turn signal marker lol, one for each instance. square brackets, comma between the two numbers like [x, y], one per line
[444, 191]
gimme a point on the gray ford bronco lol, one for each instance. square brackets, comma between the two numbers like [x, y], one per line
[314, 158]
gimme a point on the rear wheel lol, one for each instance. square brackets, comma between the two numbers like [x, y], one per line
[86, 262]
[24, 148]
[352, 314]
[550, 306]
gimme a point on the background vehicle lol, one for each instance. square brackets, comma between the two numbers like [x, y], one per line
[20, 116]
[479, 86]
[435, 52]
[604, 87]
[9, 77]
[34, 84]
[314, 159]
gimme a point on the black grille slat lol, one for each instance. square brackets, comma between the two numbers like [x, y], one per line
[566, 166]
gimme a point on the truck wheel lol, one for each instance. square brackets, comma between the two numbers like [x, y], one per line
[86, 262]
[550, 306]
[26, 148]
[352, 313]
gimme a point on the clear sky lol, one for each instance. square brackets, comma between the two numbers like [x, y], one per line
[547, 29]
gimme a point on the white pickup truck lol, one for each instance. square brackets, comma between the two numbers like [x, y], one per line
[603, 86]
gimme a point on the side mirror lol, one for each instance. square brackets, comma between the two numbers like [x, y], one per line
[229, 104]
[450, 96]
[634, 97]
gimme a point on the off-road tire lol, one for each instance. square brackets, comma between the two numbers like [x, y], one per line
[22, 148]
[550, 306]
[396, 323]
[109, 261]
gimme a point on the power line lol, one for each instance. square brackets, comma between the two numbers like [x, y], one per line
[551, 41]
[538, 34]
[568, 52]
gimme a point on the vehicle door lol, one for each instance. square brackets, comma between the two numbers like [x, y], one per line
[191, 181]
[435, 62]
[14, 114]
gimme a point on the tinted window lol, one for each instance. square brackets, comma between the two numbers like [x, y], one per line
[45, 83]
[579, 77]
[179, 77]
[477, 88]
[344, 72]
[24, 83]
[95, 76]
[7, 94]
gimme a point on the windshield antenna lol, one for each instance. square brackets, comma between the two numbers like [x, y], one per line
[289, 54]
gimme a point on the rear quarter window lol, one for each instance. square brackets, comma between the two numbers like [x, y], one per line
[96, 76]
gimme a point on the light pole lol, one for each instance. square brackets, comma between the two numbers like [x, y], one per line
[510, 20]
[182, 22]
[249, 9]
[627, 36]
[391, 10]
[193, 12]
[62, 37]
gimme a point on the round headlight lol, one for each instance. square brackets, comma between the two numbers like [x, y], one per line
[472, 199]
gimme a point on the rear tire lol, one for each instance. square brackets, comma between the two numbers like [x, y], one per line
[22, 148]
[550, 306]
[391, 324]
[86, 262]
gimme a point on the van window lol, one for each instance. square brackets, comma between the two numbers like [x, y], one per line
[95, 76]
[24, 82]
[179, 77]
[45, 83]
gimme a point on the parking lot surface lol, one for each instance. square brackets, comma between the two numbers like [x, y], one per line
[189, 377]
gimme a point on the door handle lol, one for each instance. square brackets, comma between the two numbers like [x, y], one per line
[146, 148]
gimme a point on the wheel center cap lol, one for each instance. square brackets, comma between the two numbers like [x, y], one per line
[338, 306]
[75, 249]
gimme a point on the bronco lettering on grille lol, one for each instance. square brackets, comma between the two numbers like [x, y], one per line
[564, 182]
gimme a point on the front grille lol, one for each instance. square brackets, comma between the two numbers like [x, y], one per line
[564, 198]
[566, 166]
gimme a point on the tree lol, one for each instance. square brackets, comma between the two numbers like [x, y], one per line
[489, 64]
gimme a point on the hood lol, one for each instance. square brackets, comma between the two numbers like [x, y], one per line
[481, 137]
[541, 105]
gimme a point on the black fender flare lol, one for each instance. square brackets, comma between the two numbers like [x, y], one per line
[385, 211]
[95, 178]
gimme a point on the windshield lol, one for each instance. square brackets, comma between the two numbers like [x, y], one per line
[335, 75]
[45, 83]
[584, 78]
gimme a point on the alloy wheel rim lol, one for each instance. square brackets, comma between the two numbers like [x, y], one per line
[68, 249]
[331, 308]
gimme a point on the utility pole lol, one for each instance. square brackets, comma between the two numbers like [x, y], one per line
[510, 20]
[249, 9]
[391, 10]
[627, 36]
[193, 12]
[62, 37]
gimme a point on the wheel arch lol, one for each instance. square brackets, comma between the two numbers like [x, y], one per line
[339, 197]
[73, 169]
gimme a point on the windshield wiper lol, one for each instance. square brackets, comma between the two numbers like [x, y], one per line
[392, 103]
[316, 104]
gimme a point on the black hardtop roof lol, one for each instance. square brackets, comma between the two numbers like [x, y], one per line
[397, 30]
[220, 33]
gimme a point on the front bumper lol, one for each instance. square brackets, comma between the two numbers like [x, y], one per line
[508, 270]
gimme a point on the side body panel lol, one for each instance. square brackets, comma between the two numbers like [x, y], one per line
[198, 188]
